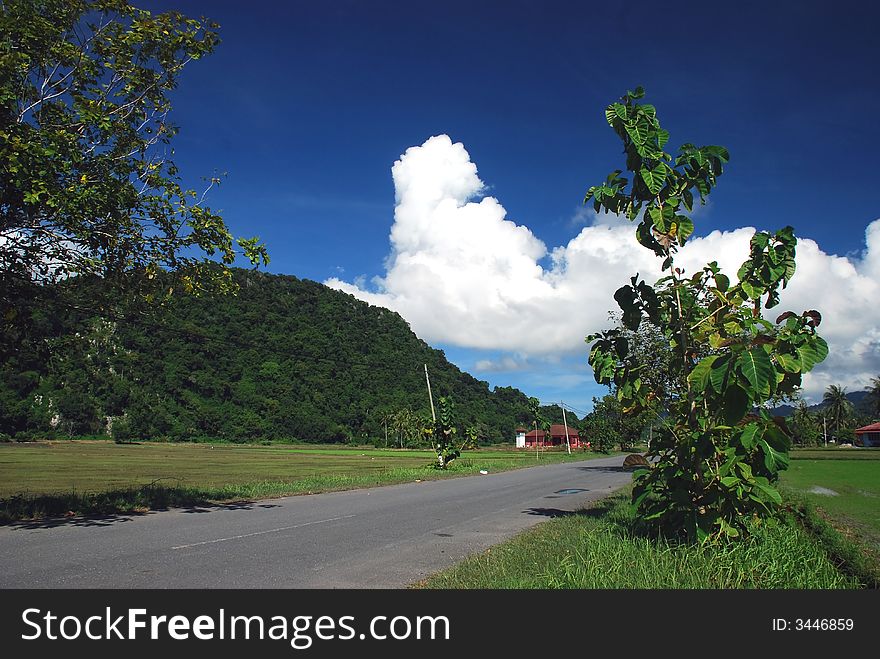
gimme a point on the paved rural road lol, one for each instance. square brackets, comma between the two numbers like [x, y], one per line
[385, 537]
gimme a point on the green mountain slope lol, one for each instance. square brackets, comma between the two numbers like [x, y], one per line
[285, 359]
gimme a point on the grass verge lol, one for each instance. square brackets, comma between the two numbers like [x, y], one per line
[598, 548]
[844, 546]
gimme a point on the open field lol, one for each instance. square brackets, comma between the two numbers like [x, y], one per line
[836, 453]
[598, 548]
[100, 477]
[93, 466]
[845, 483]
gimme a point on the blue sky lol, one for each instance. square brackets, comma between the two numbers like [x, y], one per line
[307, 106]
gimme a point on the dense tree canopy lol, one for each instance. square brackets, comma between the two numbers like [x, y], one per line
[285, 359]
[88, 184]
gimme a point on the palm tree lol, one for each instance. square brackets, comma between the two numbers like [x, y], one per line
[874, 394]
[838, 408]
[805, 424]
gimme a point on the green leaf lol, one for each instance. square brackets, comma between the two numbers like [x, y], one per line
[754, 292]
[702, 534]
[637, 133]
[760, 240]
[653, 183]
[660, 173]
[756, 367]
[747, 436]
[770, 493]
[812, 353]
[653, 178]
[610, 115]
[745, 471]
[685, 228]
[662, 137]
[788, 362]
[699, 376]
[774, 460]
[732, 327]
[735, 404]
[719, 373]
[728, 529]
[687, 198]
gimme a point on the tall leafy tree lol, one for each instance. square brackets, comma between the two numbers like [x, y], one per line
[608, 424]
[715, 461]
[838, 408]
[88, 184]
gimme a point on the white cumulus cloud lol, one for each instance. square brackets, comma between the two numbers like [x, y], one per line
[463, 274]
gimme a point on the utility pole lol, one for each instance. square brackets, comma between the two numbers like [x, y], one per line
[565, 423]
[536, 439]
[430, 397]
[825, 430]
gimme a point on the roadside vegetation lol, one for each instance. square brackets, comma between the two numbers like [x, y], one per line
[816, 540]
[97, 478]
[605, 546]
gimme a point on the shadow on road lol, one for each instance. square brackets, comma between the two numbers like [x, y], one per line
[605, 469]
[55, 522]
[110, 520]
[597, 510]
[235, 505]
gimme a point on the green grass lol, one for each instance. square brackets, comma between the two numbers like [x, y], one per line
[95, 477]
[598, 548]
[835, 453]
[844, 484]
[822, 541]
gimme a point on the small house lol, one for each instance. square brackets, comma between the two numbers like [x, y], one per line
[556, 437]
[868, 435]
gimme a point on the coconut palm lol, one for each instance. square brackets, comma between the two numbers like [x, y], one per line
[874, 394]
[838, 408]
[806, 426]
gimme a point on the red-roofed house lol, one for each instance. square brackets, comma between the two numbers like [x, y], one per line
[868, 435]
[556, 437]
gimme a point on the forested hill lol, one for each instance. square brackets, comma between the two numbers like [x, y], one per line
[284, 359]
[861, 402]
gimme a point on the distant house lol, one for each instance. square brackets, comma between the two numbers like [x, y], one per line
[556, 437]
[868, 435]
[521, 437]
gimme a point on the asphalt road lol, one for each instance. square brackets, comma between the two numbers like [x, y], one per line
[385, 537]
